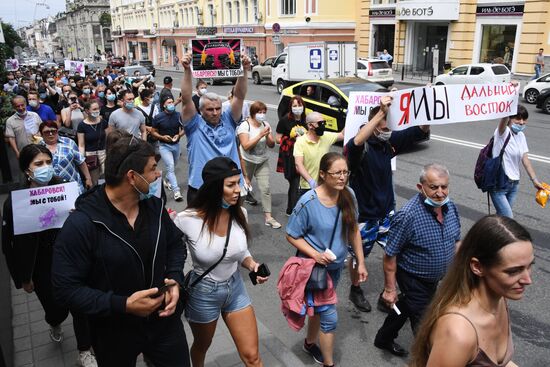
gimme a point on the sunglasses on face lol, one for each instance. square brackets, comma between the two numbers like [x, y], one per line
[49, 132]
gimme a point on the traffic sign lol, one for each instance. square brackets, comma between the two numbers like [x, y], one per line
[276, 39]
[276, 27]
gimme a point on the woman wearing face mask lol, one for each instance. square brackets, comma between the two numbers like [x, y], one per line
[167, 129]
[29, 256]
[215, 220]
[68, 163]
[91, 140]
[87, 93]
[510, 132]
[110, 105]
[100, 94]
[288, 129]
[72, 115]
[255, 137]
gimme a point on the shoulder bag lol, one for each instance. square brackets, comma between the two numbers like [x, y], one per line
[187, 284]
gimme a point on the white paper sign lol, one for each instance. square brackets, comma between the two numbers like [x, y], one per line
[41, 208]
[449, 104]
[360, 104]
[75, 67]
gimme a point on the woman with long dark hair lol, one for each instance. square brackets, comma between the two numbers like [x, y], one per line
[29, 256]
[290, 127]
[468, 323]
[326, 218]
[215, 220]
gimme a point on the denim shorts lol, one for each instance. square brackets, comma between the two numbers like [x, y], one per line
[208, 298]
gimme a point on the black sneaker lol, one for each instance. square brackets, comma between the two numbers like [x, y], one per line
[314, 351]
[357, 297]
[249, 199]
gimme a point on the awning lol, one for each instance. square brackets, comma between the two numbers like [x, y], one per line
[169, 42]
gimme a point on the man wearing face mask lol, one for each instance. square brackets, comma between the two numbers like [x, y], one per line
[45, 112]
[128, 118]
[421, 245]
[310, 147]
[22, 126]
[119, 259]
[24, 87]
[201, 88]
[11, 85]
[370, 153]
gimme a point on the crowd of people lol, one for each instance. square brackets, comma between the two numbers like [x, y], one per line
[118, 262]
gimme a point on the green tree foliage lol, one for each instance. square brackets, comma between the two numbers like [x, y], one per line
[6, 52]
[105, 20]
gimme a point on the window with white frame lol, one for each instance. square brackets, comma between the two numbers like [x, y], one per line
[198, 18]
[229, 13]
[267, 8]
[186, 12]
[237, 7]
[288, 7]
[255, 9]
[311, 6]
[245, 8]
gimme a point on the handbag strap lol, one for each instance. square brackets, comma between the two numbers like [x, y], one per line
[221, 258]
[504, 146]
[334, 229]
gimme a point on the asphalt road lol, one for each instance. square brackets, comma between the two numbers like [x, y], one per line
[356, 331]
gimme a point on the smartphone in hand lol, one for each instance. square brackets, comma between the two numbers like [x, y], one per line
[263, 271]
[165, 288]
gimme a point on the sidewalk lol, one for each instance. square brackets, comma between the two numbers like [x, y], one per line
[33, 347]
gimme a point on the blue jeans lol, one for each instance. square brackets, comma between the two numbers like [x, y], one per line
[170, 154]
[504, 199]
[537, 71]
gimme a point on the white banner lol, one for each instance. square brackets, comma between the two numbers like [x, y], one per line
[359, 106]
[75, 67]
[41, 208]
[447, 104]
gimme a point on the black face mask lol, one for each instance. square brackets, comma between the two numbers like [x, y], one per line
[320, 130]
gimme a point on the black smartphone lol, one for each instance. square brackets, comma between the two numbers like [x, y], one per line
[163, 290]
[263, 271]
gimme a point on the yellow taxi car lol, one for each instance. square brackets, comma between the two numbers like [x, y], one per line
[328, 97]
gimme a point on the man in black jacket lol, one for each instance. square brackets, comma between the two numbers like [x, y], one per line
[112, 256]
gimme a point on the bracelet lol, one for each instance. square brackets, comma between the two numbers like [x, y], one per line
[390, 290]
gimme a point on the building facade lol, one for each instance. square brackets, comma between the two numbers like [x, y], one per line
[459, 31]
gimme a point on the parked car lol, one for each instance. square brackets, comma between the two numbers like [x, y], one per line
[149, 65]
[133, 68]
[543, 100]
[475, 74]
[532, 89]
[375, 71]
[334, 90]
[262, 71]
[116, 62]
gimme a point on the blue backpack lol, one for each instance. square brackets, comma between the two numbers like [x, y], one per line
[489, 172]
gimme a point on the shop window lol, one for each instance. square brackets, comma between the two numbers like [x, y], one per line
[497, 43]
[144, 51]
[288, 7]
[476, 70]
[461, 70]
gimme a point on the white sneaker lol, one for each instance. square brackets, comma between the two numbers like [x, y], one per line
[86, 359]
[177, 196]
[271, 222]
[56, 333]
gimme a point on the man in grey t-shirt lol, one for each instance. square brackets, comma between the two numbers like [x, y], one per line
[539, 63]
[128, 118]
[22, 127]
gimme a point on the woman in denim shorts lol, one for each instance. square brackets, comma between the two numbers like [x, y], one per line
[310, 229]
[221, 291]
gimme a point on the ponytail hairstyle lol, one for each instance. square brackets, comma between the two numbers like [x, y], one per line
[345, 202]
[483, 241]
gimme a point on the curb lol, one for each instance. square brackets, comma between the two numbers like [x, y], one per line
[276, 347]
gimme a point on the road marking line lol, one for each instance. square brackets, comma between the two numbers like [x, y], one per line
[464, 143]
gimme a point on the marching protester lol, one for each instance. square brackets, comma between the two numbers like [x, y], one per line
[132, 298]
[68, 163]
[149, 110]
[309, 149]
[201, 88]
[209, 133]
[71, 116]
[326, 219]
[290, 127]
[370, 153]
[468, 322]
[255, 137]
[128, 118]
[421, 245]
[91, 134]
[22, 126]
[167, 130]
[29, 256]
[218, 232]
[110, 105]
[510, 137]
[36, 104]
[226, 105]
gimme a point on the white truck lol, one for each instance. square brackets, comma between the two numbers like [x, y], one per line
[313, 60]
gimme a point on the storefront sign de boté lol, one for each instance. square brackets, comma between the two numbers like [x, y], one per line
[420, 10]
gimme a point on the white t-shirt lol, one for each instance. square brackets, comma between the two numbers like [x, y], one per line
[206, 248]
[226, 106]
[516, 148]
[258, 154]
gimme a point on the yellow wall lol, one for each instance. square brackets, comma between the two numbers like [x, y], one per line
[327, 11]
[534, 34]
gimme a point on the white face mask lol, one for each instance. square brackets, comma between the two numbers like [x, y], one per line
[384, 135]
[203, 91]
[297, 111]
[260, 116]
